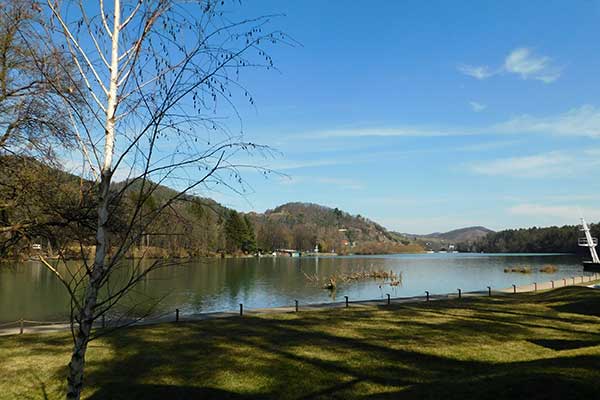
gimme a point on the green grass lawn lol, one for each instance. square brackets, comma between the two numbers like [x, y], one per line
[524, 346]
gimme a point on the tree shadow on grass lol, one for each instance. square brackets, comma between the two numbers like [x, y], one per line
[171, 392]
[583, 307]
[562, 344]
[302, 357]
[355, 353]
[518, 384]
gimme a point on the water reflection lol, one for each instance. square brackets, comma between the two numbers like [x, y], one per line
[28, 290]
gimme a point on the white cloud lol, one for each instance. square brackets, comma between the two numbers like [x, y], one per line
[566, 214]
[408, 131]
[298, 164]
[540, 165]
[340, 183]
[582, 121]
[477, 107]
[521, 61]
[477, 72]
[484, 146]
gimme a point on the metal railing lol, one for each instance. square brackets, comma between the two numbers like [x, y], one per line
[584, 243]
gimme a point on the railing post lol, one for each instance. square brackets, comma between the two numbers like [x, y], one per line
[346, 301]
[573, 279]
[21, 326]
[514, 288]
[535, 286]
[241, 309]
[389, 300]
[459, 293]
[296, 305]
[177, 315]
[552, 284]
[427, 294]
[564, 281]
[489, 291]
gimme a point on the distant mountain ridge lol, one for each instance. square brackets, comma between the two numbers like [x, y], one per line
[441, 240]
[462, 234]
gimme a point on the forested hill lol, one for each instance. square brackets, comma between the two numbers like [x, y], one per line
[304, 225]
[191, 226]
[552, 239]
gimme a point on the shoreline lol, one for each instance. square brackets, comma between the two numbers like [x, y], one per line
[39, 327]
[310, 255]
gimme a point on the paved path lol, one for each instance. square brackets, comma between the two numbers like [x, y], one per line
[14, 328]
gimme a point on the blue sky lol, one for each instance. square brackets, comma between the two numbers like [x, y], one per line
[430, 116]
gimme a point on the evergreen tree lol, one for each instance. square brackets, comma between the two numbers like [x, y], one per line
[249, 238]
[235, 230]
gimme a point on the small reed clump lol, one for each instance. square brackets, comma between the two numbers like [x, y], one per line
[521, 270]
[549, 269]
[333, 281]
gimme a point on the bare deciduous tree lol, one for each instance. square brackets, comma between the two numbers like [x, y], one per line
[153, 74]
[34, 84]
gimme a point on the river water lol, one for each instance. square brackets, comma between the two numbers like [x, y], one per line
[29, 291]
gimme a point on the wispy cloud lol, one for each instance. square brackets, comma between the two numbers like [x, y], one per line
[581, 121]
[408, 131]
[477, 72]
[477, 107]
[484, 146]
[521, 61]
[540, 165]
[565, 213]
[298, 164]
[340, 183]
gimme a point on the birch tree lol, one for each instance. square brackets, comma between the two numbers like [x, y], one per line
[155, 76]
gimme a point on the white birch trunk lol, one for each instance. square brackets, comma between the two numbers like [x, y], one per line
[86, 315]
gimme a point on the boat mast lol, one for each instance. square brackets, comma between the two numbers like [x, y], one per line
[589, 242]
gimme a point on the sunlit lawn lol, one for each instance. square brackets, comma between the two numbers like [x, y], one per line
[529, 346]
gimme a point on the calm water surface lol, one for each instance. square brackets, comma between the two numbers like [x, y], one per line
[28, 290]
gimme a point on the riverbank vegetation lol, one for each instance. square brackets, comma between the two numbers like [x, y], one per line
[552, 239]
[549, 269]
[540, 346]
[190, 227]
[520, 270]
[331, 282]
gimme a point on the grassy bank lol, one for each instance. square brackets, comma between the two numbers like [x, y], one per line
[525, 346]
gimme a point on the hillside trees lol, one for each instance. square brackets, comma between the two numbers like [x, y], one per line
[34, 88]
[552, 239]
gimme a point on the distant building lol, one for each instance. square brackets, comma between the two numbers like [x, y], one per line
[36, 246]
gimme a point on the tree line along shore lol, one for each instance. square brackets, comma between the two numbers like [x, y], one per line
[64, 223]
